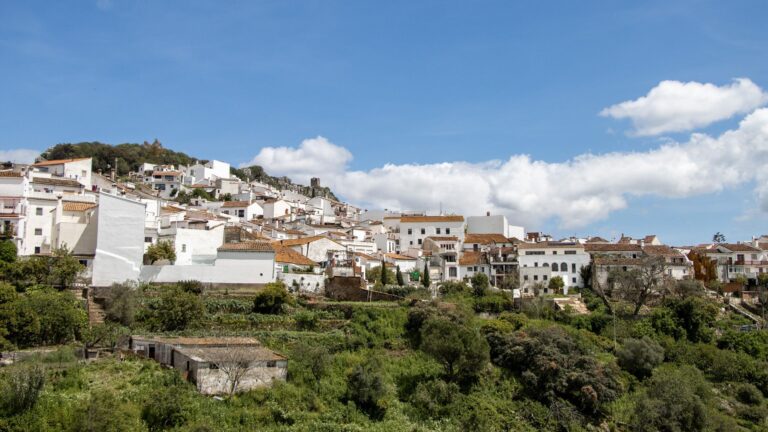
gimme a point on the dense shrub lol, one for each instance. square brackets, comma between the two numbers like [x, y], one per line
[121, 303]
[272, 298]
[480, 284]
[433, 399]
[368, 389]
[640, 356]
[754, 343]
[461, 350]
[21, 386]
[748, 394]
[675, 400]
[191, 286]
[454, 287]
[165, 409]
[178, 309]
[493, 303]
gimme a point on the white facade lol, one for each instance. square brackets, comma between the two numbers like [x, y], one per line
[414, 229]
[561, 259]
[276, 208]
[75, 169]
[230, 267]
[119, 240]
[493, 224]
[197, 246]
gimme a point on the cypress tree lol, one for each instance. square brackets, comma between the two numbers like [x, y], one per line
[383, 273]
[399, 276]
[425, 279]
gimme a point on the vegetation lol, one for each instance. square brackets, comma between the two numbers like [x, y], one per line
[162, 250]
[468, 360]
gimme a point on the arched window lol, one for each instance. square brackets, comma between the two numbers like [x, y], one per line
[563, 267]
[546, 264]
[554, 267]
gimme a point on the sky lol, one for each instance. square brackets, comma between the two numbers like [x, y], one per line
[573, 118]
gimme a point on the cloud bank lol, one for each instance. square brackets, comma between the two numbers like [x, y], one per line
[19, 155]
[674, 106]
[576, 193]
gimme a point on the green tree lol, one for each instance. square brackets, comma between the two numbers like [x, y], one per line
[383, 275]
[165, 409]
[675, 400]
[162, 250]
[121, 303]
[367, 388]
[694, 315]
[556, 284]
[178, 309]
[460, 349]
[272, 299]
[61, 317]
[399, 277]
[480, 284]
[425, 279]
[65, 268]
[640, 356]
[8, 251]
[105, 412]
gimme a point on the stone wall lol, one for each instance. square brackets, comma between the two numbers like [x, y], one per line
[352, 289]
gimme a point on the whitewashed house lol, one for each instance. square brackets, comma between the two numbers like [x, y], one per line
[414, 229]
[78, 169]
[564, 259]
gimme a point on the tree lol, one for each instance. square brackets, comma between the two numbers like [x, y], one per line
[586, 275]
[399, 277]
[178, 309]
[675, 401]
[425, 279]
[367, 388]
[314, 359]
[374, 275]
[511, 281]
[121, 304]
[718, 238]
[106, 335]
[64, 268]
[637, 284]
[105, 412]
[233, 362]
[162, 250]
[640, 356]
[556, 284]
[383, 273]
[8, 251]
[271, 299]
[480, 284]
[686, 288]
[460, 349]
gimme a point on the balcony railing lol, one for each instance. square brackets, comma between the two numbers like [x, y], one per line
[749, 262]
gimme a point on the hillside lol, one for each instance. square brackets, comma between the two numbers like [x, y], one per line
[129, 156]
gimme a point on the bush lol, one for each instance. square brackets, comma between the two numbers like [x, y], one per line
[433, 399]
[461, 350]
[367, 388]
[493, 303]
[272, 299]
[105, 412]
[306, 320]
[178, 309]
[164, 409]
[640, 356]
[121, 304]
[7, 251]
[191, 286]
[748, 394]
[480, 284]
[21, 388]
[676, 400]
[453, 287]
[162, 250]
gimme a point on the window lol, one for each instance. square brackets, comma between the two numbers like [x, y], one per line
[555, 267]
[563, 267]
[452, 271]
[183, 248]
[447, 230]
[419, 241]
[570, 252]
[241, 213]
[438, 230]
[213, 366]
[37, 249]
[423, 231]
[525, 277]
[574, 280]
[573, 268]
[534, 252]
[39, 211]
[410, 231]
[147, 239]
[38, 231]
[535, 277]
[545, 277]
[536, 264]
[411, 242]
[83, 263]
[554, 252]
[271, 364]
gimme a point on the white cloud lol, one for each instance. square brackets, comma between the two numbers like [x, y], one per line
[674, 106]
[577, 192]
[19, 155]
[314, 157]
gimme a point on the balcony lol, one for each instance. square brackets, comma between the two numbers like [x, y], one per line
[750, 263]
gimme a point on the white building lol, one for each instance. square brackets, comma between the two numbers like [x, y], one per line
[207, 173]
[74, 169]
[244, 210]
[493, 224]
[414, 229]
[119, 240]
[564, 259]
[316, 248]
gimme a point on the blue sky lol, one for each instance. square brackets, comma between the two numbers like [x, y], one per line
[411, 82]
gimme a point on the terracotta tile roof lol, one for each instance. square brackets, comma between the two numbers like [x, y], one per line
[661, 250]
[617, 261]
[547, 244]
[201, 185]
[649, 238]
[10, 174]
[303, 240]
[740, 247]
[286, 255]
[228, 204]
[170, 209]
[763, 246]
[57, 182]
[202, 215]
[485, 238]
[471, 258]
[425, 219]
[612, 247]
[443, 238]
[166, 173]
[365, 256]
[249, 246]
[57, 162]
[77, 206]
[399, 257]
